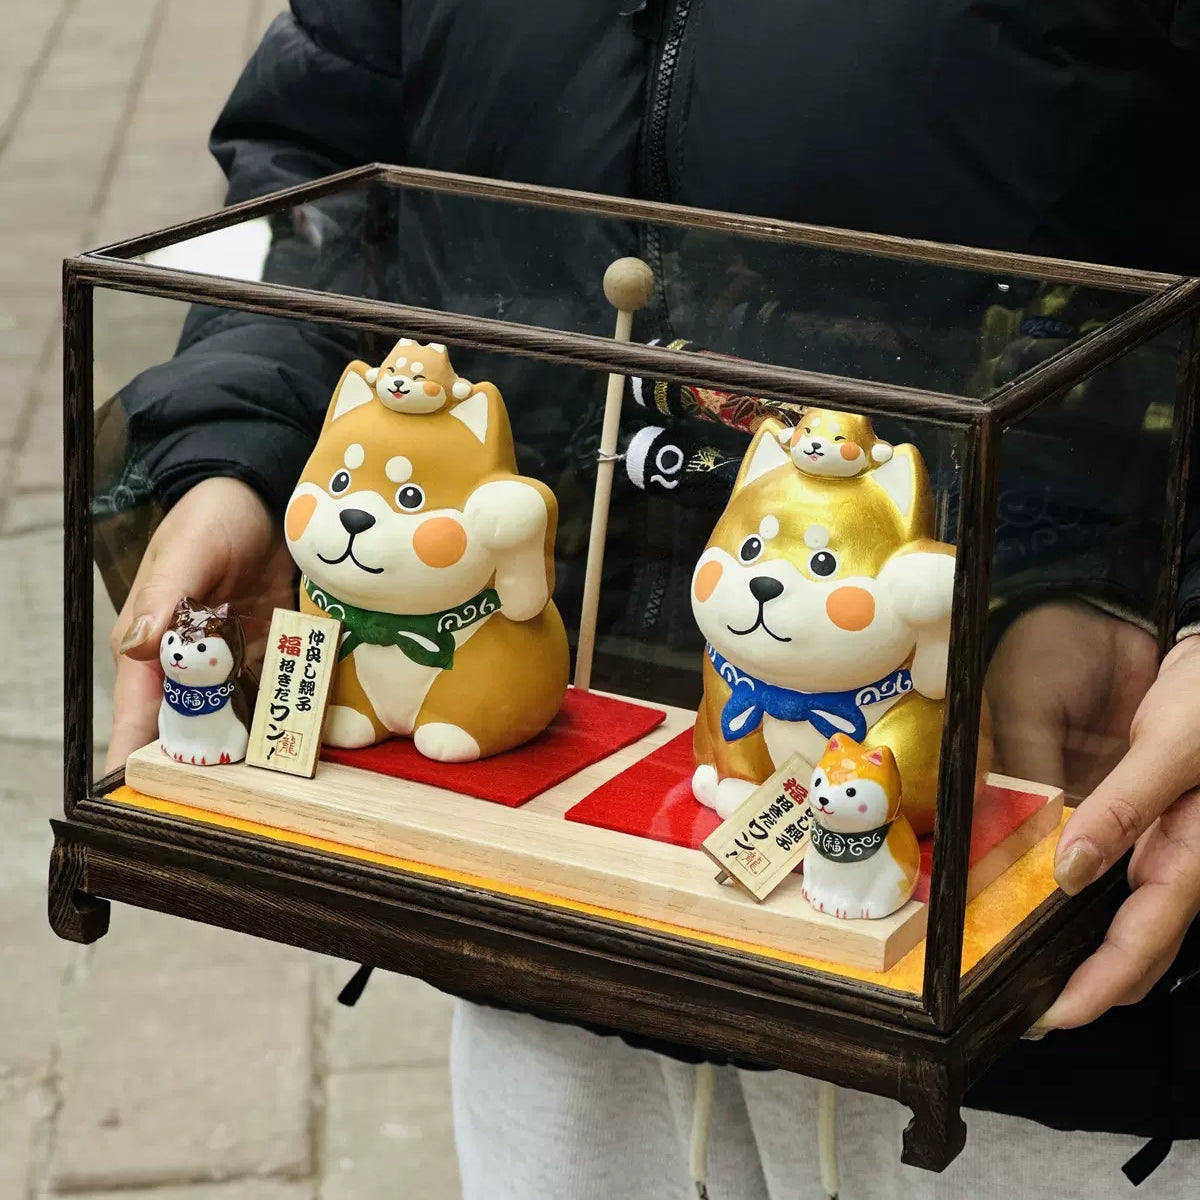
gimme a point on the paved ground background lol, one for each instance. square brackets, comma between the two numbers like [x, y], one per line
[169, 1061]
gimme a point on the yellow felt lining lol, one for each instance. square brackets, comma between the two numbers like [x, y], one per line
[990, 917]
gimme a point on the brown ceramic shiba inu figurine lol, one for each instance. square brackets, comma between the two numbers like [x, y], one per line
[826, 606]
[412, 527]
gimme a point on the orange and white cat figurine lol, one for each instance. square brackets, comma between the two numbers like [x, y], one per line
[863, 859]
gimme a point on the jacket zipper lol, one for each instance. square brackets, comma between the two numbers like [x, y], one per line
[658, 177]
[657, 174]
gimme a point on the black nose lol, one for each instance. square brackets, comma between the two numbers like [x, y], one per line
[178, 657]
[355, 521]
[764, 588]
[816, 445]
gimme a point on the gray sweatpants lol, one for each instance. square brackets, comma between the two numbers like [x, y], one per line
[550, 1112]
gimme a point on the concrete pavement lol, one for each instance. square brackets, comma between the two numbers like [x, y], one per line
[169, 1061]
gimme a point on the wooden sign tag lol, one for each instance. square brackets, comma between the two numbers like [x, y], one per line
[301, 655]
[762, 841]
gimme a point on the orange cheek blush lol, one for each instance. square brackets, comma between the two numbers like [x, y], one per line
[440, 542]
[851, 450]
[299, 514]
[851, 608]
[707, 579]
[431, 389]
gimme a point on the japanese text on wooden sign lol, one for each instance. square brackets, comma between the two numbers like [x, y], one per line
[764, 839]
[298, 665]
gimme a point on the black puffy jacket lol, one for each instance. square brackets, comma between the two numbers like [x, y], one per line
[1058, 129]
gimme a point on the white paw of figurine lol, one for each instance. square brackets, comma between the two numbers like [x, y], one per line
[835, 902]
[725, 796]
[446, 743]
[704, 785]
[347, 728]
[506, 513]
[920, 587]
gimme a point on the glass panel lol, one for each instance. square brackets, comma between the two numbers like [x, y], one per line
[131, 333]
[1079, 551]
[806, 607]
[885, 320]
[1078, 567]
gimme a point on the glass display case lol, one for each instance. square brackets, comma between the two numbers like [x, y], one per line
[798, 517]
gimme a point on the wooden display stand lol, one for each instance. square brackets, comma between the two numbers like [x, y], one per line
[533, 848]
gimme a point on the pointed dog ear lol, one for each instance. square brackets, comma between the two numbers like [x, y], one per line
[484, 415]
[904, 479]
[836, 743]
[765, 454]
[352, 391]
[875, 758]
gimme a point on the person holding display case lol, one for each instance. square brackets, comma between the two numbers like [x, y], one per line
[1029, 129]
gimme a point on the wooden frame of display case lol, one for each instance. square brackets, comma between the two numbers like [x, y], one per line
[924, 1050]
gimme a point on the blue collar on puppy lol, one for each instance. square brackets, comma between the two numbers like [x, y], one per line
[827, 712]
[195, 701]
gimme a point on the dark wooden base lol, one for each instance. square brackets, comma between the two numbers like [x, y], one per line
[573, 966]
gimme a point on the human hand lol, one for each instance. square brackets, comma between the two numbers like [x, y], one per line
[1151, 801]
[1077, 703]
[218, 543]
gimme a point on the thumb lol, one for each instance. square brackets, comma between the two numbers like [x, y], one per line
[169, 571]
[1139, 789]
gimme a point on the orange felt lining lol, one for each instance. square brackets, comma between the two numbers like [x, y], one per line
[990, 917]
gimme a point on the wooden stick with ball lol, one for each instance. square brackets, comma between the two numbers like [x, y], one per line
[628, 286]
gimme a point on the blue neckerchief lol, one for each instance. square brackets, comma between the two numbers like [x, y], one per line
[195, 701]
[828, 712]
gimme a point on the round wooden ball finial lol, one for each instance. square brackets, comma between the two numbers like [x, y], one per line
[628, 284]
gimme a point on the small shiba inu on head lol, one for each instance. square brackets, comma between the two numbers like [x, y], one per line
[412, 527]
[826, 607]
[837, 445]
[201, 655]
[417, 379]
[863, 859]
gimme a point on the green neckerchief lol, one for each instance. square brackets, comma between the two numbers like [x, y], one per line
[427, 638]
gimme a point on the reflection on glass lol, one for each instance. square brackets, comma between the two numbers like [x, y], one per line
[896, 321]
[1077, 571]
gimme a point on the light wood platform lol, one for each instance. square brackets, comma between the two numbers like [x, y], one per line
[533, 846]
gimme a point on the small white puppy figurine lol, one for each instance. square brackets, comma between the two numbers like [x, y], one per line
[864, 858]
[201, 655]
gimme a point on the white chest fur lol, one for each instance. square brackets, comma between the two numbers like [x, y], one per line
[395, 685]
[872, 888]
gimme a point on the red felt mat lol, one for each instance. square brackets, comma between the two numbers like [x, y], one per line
[588, 728]
[653, 799]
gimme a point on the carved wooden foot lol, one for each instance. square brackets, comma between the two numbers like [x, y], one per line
[74, 915]
[935, 1136]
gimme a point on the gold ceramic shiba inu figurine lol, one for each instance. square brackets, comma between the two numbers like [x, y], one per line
[826, 606]
[412, 527]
